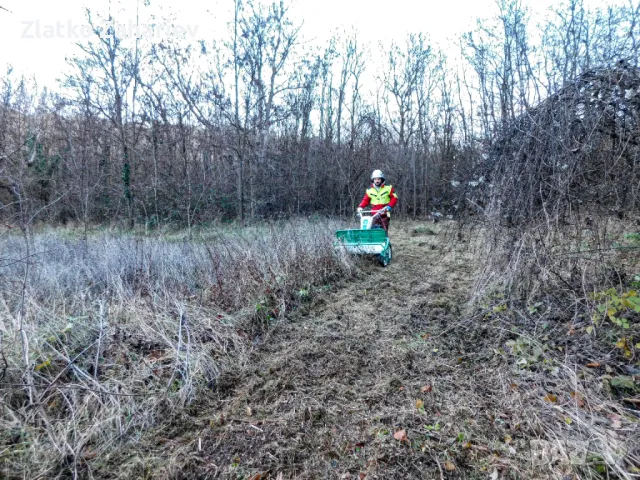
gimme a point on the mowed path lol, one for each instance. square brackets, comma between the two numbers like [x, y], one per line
[373, 378]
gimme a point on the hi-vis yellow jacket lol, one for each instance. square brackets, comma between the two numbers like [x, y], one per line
[379, 197]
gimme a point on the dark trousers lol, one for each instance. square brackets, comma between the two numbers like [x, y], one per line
[382, 220]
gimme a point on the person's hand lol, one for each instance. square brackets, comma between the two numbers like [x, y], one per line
[359, 209]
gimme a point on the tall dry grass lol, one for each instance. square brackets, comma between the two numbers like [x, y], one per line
[560, 262]
[545, 284]
[103, 338]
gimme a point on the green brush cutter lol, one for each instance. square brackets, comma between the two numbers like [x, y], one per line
[367, 240]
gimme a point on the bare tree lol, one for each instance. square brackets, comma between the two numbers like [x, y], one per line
[105, 79]
[266, 44]
[403, 77]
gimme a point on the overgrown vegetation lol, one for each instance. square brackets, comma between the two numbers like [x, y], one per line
[414, 382]
[504, 344]
[123, 332]
[560, 260]
[255, 121]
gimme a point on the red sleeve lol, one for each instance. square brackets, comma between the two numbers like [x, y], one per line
[394, 198]
[365, 201]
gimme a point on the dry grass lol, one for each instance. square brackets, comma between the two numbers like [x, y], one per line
[123, 333]
[543, 284]
[325, 396]
[572, 260]
[483, 386]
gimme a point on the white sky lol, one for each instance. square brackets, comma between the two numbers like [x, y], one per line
[375, 21]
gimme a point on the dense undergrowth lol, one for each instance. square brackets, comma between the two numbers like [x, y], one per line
[567, 298]
[416, 381]
[102, 337]
[241, 353]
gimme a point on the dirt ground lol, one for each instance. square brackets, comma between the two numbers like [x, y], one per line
[386, 376]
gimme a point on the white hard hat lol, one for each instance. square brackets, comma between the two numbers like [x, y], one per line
[377, 174]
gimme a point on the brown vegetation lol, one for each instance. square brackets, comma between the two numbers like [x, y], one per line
[504, 345]
[123, 332]
[393, 373]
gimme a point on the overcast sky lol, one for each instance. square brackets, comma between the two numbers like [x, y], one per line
[37, 35]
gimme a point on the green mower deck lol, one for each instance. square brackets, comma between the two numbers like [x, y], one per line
[366, 242]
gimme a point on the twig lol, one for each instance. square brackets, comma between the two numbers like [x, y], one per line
[28, 374]
[19, 260]
[439, 468]
[97, 360]
[4, 360]
[83, 387]
[69, 364]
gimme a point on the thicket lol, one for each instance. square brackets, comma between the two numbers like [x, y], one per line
[560, 264]
[564, 188]
[258, 123]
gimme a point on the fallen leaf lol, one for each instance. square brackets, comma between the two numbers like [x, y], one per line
[623, 381]
[156, 354]
[449, 467]
[593, 364]
[578, 398]
[616, 421]
[551, 398]
[426, 389]
[362, 476]
[419, 404]
[424, 336]
[249, 411]
[400, 435]
[514, 386]
[568, 421]
[44, 364]
[467, 445]
[89, 455]
[507, 439]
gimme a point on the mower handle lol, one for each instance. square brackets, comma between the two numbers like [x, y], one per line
[373, 212]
